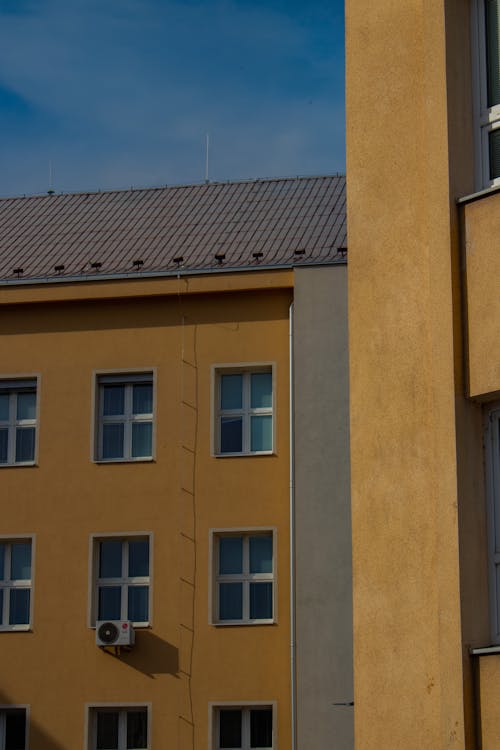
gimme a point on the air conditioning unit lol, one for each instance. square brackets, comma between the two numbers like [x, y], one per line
[114, 633]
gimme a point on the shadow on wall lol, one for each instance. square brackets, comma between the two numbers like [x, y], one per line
[152, 655]
[36, 738]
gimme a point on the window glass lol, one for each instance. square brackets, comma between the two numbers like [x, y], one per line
[138, 603]
[20, 562]
[142, 398]
[261, 390]
[492, 51]
[25, 444]
[4, 407]
[109, 603]
[137, 729]
[15, 729]
[113, 400]
[112, 440]
[19, 613]
[262, 433]
[107, 730]
[4, 442]
[138, 558]
[2, 559]
[494, 146]
[261, 601]
[231, 391]
[231, 435]
[229, 728]
[261, 727]
[230, 601]
[261, 554]
[26, 405]
[230, 555]
[110, 558]
[1, 608]
[142, 439]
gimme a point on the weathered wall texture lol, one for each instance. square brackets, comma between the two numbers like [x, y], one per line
[323, 516]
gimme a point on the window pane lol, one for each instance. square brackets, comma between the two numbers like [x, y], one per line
[261, 390]
[107, 730]
[231, 391]
[493, 57]
[110, 558]
[262, 434]
[4, 407]
[138, 558]
[142, 442]
[230, 601]
[25, 444]
[138, 603]
[4, 441]
[261, 554]
[109, 603]
[19, 607]
[112, 440]
[2, 558]
[494, 138]
[137, 730]
[261, 727]
[230, 728]
[26, 406]
[15, 729]
[231, 432]
[261, 601]
[1, 608]
[230, 555]
[142, 399]
[113, 400]
[20, 561]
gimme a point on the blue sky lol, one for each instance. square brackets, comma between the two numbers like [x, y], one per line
[120, 93]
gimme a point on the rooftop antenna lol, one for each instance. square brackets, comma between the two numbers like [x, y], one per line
[51, 190]
[206, 158]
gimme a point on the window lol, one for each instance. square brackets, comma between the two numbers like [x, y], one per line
[239, 728]
[244, 578]
[121, 573]
[17, 422]
[119, 728]
[12, 728]
[125, 412]
[488, 23]
[244, 411]
[493, 489]
[15, 584]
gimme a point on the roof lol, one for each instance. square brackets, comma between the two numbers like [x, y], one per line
[208, 227]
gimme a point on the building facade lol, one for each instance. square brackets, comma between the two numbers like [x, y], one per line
[424, 316]
[167, 357]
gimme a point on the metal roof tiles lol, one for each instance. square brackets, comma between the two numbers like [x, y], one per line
[252, 224]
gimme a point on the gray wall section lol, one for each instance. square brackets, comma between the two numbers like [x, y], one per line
[322, 510]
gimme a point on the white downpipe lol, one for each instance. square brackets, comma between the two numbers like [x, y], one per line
[293, 679]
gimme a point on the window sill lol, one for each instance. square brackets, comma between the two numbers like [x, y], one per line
[19, 465]
[136, 626]
[105, 461]
[239, 623]
[17, 629]
[485, 650]
[244, 455]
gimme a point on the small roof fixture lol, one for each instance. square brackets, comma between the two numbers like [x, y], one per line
[178, 260]
[59, 269]
[257, 256]
[18, 271]
[220, 257]
[342, 251]
[137, 264]
[96, 265]
[300, 251]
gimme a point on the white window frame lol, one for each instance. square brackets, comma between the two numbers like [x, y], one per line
[487, 118]
[245, 706]
[13, 386]
[126, 378]
[7, 707]
[246, 412]
[91, 711]
[124, 581]
[245, 578]
[7, 584]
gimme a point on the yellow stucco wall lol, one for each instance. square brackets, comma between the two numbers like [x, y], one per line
[488, 685]
[181, 663]
[482, 268]
[403, 321]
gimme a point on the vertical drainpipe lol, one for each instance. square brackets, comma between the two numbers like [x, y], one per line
[293, 679]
